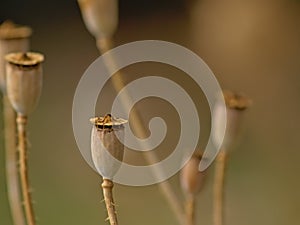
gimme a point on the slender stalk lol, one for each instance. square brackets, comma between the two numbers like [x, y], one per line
[218, 217]
[104, 45]
[190, 210]
[107, 186]
[12, 179]
[22, 137]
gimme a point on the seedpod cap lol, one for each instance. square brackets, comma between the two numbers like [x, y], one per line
[236, 101]
[28, 59]
[108, 122]
[10, 30]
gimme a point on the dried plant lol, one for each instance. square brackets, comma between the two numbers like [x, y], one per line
[236, 104]
[102, 27]
[107, 155]
[24, 84]
[13, 38]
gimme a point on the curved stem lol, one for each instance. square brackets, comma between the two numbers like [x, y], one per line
[107, 186]
[28, 208]
[218, 217]
[104, 45]
[190, 210]
[11, 163]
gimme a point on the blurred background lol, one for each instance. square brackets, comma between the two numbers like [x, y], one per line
[251, 46]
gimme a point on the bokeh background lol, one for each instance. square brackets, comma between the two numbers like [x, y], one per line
[252, 47]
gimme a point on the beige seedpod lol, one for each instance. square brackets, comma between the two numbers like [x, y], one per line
[191, 179]
[235, 104]
[106, 144]
[24, 80]
[100, 17]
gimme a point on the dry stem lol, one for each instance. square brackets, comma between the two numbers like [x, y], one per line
[165, 187]
[12, 179]
[28, 208]
[107, 186]
[190, 210]
[218, 217]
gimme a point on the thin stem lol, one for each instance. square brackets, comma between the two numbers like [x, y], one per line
[218, 217]
[107, 186]
[190, 210]
[12, 179]
[28, 207]
[118, 83]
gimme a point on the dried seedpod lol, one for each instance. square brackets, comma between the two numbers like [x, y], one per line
[13, 38]
[107, 149]
[100, 17]
[236, 104]
[24, 80]
[191, 179]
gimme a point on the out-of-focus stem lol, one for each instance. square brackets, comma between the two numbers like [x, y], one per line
[12, 178]
[107, 186]
[104, 45]
[218, 217]
[190, 210]
[22, 138]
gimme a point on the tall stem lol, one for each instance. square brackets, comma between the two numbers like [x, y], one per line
[107, 186]
[190, 210]
[28, 207]
[104, 45]
[11, 163]
[218, 217]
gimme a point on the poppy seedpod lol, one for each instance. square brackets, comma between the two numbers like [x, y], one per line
[191, 179]
[24, 80]
[13, 38]
[100, 17]
[106, 144]
[235, 104]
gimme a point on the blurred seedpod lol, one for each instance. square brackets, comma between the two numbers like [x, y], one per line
[24, 80]
[100, 17]
[107, 149]
[235, 104]
[191, 179]
[13, 38]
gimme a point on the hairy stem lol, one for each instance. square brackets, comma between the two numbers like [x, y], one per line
[107, 186]
[190, 210]
[11, 163]
[118, 83]
[218, 217]
[28, 207]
